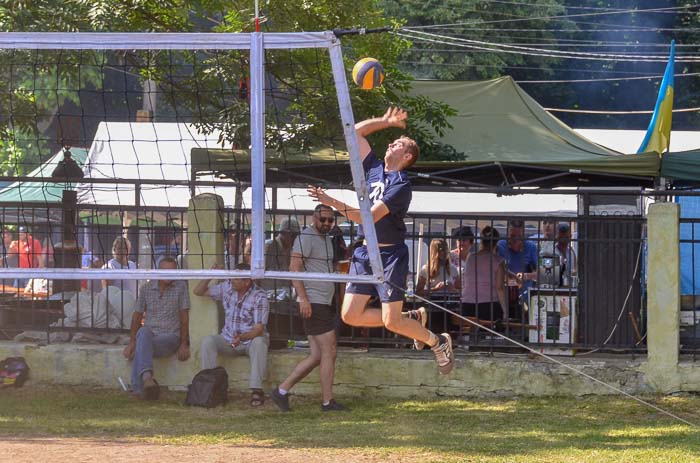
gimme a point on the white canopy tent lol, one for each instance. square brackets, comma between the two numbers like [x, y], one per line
[144, 150]
[161, 151]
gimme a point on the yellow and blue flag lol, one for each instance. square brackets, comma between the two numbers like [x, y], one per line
[658, 136]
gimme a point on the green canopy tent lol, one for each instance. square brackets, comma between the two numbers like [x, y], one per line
[42, 192]
[21, 201]
[506, 139]
[682, 167]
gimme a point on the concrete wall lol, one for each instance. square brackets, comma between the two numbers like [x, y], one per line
[409, 373]
[380, 373]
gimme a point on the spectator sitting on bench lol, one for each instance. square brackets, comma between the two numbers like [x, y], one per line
[247, 310]
[165, 305]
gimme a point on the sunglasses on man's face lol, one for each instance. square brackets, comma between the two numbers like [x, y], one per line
[326, 219]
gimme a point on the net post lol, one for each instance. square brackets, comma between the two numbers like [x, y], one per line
[257, 124]
[358, 175]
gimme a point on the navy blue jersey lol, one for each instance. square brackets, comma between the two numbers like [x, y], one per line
[392, 188]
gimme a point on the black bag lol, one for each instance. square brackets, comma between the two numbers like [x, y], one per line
[14, 371]
[209, 388]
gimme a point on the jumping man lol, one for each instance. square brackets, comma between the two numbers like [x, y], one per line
[390, 195]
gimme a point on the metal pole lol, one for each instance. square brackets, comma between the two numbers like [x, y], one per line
[358, 175]
[257, 164]
[257, 16]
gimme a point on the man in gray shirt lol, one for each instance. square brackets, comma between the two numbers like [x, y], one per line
[166, 304]
[313, 252]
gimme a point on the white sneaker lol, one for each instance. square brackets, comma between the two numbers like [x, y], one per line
[444, 356]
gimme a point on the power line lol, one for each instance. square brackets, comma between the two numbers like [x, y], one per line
[557, 17]
[591, 71]
[521, 45]
[530, 51]
[608, 79]
[575, 43]
[553, 81]
[592, 8]
[620, 29]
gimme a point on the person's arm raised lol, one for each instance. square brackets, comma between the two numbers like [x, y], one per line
[393, 117]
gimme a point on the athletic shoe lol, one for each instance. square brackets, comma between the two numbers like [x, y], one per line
[282, 401]
[444, 356]
[151, 389]
[420, 314]
[334, 406]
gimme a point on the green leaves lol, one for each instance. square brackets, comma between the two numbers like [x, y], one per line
[208, 87]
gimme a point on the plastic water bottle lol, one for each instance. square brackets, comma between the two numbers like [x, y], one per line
[409, 288]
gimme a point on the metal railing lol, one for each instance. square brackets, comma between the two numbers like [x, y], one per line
[596, 305]
[690, 282]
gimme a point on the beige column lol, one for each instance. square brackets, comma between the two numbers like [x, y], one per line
[205, 244]
[663, 297]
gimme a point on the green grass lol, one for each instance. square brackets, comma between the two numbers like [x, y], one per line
[592, 429]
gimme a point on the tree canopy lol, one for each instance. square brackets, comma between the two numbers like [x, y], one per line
[209, 92]
[592, 55]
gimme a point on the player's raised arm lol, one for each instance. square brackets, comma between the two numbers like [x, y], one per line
[393, 117]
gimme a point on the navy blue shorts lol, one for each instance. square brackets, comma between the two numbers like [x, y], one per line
[395, 262]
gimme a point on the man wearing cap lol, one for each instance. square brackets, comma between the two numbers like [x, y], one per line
[278, 253]
[464, 236]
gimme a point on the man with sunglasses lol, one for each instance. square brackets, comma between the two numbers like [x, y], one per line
[390, 195]
[313, 252]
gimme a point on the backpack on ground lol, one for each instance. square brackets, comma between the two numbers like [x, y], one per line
[209, 388]
[14, 371]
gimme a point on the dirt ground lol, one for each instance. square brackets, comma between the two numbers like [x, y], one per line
[31, 450]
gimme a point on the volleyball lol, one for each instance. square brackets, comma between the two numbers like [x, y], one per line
[368, 73]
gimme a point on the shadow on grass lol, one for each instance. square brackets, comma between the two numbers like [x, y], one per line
[505, 427]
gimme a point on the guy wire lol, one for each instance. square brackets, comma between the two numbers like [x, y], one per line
[553, 360]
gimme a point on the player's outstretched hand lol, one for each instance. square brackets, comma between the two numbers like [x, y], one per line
[318, 194]
[396, 117]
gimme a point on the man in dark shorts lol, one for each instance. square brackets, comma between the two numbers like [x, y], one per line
[313, 252]
[390, 193]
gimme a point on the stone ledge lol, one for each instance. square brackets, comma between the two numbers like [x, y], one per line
[379, 373]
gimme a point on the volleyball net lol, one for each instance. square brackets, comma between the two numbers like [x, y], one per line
[113, 141]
